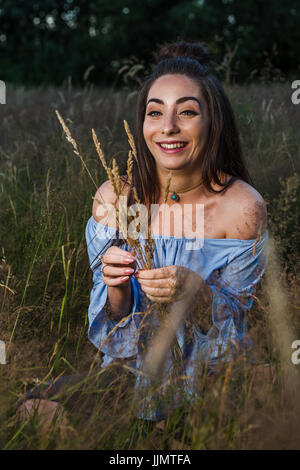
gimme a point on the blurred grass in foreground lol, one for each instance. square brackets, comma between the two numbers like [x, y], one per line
[45, 202]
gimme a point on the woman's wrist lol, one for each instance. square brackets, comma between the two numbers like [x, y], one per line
[119, 301]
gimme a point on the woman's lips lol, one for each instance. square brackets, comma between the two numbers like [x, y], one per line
[172, 150]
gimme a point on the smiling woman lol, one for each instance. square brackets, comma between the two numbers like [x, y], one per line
[184, 124]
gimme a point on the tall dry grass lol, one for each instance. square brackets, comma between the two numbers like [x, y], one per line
[45, 280]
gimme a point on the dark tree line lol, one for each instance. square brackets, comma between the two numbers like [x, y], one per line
[46, 41]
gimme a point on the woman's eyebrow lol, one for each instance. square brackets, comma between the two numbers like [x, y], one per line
[179, 101]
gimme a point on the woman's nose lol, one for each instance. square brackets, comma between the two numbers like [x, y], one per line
[170, 125]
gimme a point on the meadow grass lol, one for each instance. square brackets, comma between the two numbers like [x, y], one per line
[45, 280]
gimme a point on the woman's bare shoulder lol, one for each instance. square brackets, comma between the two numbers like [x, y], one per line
[245, 210]
[105, 195]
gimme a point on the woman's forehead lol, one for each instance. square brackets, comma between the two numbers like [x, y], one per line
[174, 86]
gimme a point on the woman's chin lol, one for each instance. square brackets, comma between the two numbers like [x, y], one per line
[173, 165]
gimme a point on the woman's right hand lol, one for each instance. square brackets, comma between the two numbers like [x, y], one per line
[117, 266]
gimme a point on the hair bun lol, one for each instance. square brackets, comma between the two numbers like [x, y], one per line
[184, 49]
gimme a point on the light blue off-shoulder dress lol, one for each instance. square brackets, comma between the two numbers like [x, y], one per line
[230, 267]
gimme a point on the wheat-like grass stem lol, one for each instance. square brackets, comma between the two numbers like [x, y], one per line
[74, 144]
[130, 139]
[167, 187]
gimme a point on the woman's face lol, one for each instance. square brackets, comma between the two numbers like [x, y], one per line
[176, 122]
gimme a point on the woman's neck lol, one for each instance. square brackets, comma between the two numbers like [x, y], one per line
[180, 181]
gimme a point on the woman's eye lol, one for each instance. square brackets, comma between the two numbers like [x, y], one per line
[154, 113]
[189, 112]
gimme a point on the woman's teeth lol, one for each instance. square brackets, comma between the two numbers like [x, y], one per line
[173, 146]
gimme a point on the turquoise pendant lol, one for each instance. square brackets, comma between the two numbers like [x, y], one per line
[175, 197]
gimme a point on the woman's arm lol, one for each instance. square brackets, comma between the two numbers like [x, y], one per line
[119, 302]
[114, 338]
[244, 212]
[117, 264]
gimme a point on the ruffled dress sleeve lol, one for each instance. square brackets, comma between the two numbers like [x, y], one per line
[122, 342]
[233, 288]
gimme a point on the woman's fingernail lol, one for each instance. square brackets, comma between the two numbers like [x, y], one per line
[124, 278]
[128, 259]
[129, 271]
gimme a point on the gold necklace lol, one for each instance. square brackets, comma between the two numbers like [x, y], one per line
[175, 197]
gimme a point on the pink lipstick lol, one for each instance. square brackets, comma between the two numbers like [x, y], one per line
[174, 146]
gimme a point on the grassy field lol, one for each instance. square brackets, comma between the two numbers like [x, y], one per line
[45, 202]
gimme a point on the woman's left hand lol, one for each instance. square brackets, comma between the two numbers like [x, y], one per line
[165, 284]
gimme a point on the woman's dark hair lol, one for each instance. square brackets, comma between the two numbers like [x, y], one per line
[222, 151]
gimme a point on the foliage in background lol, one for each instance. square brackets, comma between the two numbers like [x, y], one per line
[47, 41]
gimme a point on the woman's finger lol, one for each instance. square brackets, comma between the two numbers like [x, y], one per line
[167, 282]
[157, 273]
[161, 300]
[113, 271]
[115, 281]
[157, 291]
[117, 256]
